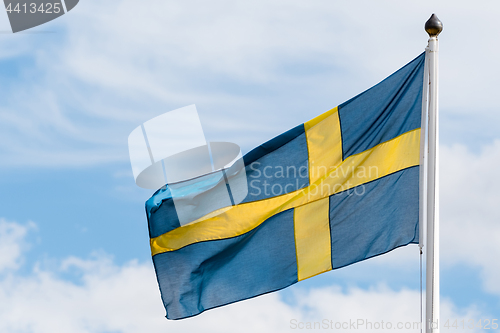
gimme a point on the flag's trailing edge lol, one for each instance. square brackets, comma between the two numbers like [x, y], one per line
[338, 189]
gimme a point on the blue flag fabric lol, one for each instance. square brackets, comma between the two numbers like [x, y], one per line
[338, 189]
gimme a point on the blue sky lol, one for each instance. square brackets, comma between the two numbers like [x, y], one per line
[73, 233]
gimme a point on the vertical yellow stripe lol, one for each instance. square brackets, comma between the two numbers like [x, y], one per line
[312, 238]
[324, 142]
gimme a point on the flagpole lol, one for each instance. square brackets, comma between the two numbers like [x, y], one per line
[433, 27]
[422, 211]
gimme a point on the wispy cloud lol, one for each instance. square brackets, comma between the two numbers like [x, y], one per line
[258, 68]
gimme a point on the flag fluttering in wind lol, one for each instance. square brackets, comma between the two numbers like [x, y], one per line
[338, 189]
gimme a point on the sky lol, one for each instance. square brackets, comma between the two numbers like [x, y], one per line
[74, 245]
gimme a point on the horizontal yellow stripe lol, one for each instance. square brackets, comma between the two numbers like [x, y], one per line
[324, 144]
[394, 155]
[312, 238]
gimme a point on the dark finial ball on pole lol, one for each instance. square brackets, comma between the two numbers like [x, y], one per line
[433, 26]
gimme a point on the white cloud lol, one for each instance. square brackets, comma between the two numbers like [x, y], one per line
[470, 216]
[97, 295]
[12, 244]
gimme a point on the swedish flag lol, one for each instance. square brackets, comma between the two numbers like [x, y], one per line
[338, 189]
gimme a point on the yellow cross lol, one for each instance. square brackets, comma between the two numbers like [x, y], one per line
[328, 175]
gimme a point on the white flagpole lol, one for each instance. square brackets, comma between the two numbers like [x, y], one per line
[433, 27]
[422, 216]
